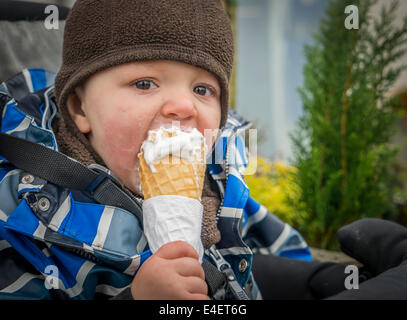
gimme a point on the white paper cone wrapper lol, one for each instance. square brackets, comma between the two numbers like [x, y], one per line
[171, 218]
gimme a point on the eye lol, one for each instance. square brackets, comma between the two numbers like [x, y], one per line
[145, 84]
[204, 91]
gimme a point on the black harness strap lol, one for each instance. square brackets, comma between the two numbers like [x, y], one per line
[63, 171]
[215, 279]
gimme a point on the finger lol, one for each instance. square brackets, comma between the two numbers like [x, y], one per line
[177, 249]
[196, 285]
[197, 296]
[189, 267]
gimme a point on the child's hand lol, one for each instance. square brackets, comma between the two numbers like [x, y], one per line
[172, 273]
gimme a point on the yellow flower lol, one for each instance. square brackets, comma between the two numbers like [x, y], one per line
[273, 187]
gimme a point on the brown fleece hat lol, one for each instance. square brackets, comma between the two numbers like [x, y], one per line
[103, 33]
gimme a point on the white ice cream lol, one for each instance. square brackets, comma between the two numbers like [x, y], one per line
[182, 144]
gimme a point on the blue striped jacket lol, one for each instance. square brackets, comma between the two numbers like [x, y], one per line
[51, 237]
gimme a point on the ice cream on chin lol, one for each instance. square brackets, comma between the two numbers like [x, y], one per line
[172, 172]
[172, 162]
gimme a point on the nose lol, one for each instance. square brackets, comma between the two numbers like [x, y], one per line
[179, 107]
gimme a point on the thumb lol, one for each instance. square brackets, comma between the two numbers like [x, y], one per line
[176, 249]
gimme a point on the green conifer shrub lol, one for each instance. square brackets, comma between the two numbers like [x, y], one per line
[341, 143]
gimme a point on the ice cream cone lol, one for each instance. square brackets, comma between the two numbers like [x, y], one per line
[173, 175]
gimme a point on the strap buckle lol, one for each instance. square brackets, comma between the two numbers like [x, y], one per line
[103, 173]
[224, 266]
[220, 262]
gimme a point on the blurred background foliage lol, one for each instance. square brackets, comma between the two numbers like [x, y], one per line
[345, 162]
[273, 185]
[231, 7]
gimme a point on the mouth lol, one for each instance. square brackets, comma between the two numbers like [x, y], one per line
[173, 125]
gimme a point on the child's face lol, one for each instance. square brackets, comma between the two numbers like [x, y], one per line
[116, 108]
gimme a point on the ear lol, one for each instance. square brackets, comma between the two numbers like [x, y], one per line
[76, 110]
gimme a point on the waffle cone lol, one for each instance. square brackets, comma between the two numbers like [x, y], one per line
[174, 176]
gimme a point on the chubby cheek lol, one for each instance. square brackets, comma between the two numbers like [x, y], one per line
[209, 127]
[120, 144]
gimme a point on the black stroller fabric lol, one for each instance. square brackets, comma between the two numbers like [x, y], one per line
[379, 245]
[25, 41]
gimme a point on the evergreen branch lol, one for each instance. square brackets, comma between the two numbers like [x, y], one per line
[341, 145]
[345, 103]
